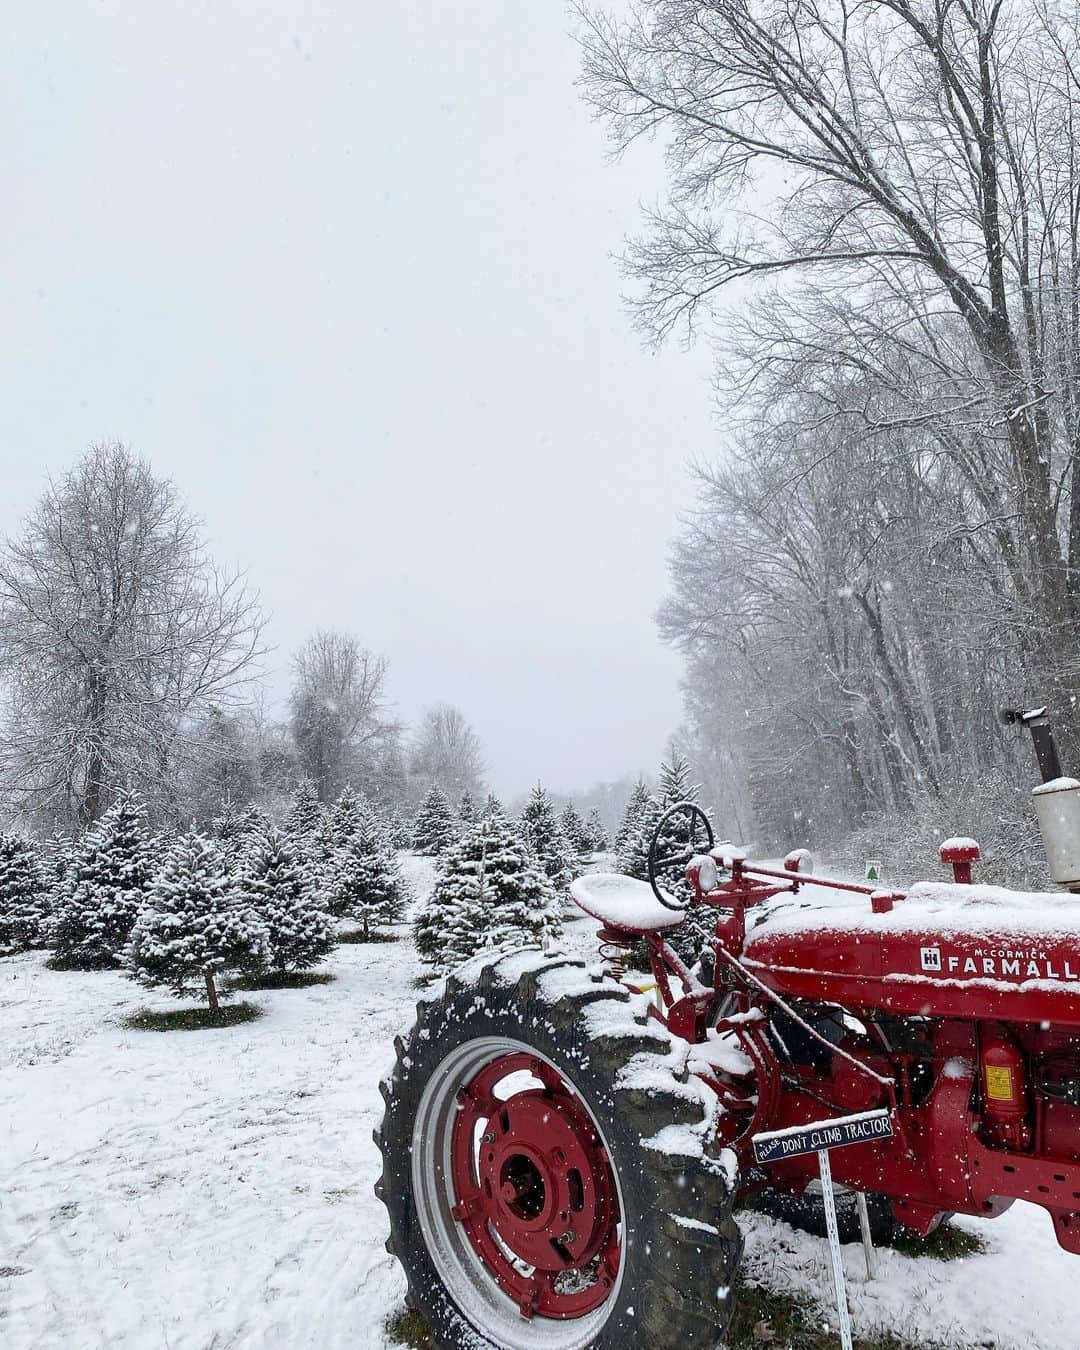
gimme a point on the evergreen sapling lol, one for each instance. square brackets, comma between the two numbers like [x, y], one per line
[102, 890]
[435, 827]
[574, 833]
[596, 833]
[640, 802]
[299, 932]
[398, 831]
[678, 842]
[491, 894]
[196, 924]
[541, 832]
[238, 829]
[365, 878]
[304, 820]
[24, 896]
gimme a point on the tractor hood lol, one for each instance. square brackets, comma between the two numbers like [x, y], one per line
[945, 950]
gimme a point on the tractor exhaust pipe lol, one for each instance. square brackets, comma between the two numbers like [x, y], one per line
[1038, 723]
[1057, 799]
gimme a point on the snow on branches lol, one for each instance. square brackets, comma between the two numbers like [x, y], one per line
[197, 922]
[24, 895]
[363, 879]
[276, 885]
[541, 832]
[436, 826]
[103, 889]
[491, 893]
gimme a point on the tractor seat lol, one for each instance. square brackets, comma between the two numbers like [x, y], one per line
[622, 902]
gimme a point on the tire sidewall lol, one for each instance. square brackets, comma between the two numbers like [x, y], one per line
[496, 1013]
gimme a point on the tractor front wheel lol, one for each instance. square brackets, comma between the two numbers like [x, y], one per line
[549, 1168]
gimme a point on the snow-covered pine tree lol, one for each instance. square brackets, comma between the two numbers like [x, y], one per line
[398, 830]
[491, 893]
[435, 827]
[226, 825]
[277, 887]
[364, 878]
[597, 834]
[639, 802]
[305, 827]
[103, 889]
[674, 783]
[195, 924]
[678, 843]
[336, 828]
[305, 815]
[346, 812]
[492, 806]
[468, 812]
[541, 832]
[24, 895]
[574, 832]
[55, 859]
[238, 829]
[633, 856]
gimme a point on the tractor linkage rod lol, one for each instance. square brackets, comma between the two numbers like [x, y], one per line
[805, 879]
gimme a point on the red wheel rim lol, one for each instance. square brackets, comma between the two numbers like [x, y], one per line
[533, 1188]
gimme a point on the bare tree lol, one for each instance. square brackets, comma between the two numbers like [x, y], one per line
[338, 710]
[918, 151]
[116, 633]
[446, 751]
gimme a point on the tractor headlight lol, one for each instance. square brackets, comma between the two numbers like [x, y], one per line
[706, 873]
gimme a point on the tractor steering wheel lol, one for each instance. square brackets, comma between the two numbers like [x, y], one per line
[693, 812]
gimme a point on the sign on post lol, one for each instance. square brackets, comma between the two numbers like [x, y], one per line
[865, 1128]
[874, 869]
[820, 1137]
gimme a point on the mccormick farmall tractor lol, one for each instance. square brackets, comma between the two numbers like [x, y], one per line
[562, 1150]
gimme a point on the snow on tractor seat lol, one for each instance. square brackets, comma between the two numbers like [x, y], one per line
[938, 906]
[622, 902]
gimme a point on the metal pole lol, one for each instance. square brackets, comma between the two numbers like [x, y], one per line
[867, 1239]
[834, 1249]
[1046, 751]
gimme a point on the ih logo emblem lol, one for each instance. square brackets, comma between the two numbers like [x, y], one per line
[931, 958]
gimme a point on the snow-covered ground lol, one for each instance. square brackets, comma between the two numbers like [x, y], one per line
[204, 1190]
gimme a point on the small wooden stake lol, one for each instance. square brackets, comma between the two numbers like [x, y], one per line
[211, 992]
[867, 1239]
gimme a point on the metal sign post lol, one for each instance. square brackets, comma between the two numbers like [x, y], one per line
[842, 1310]
[820, 1137]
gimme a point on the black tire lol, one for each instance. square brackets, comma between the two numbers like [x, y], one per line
[807, 1213]
[680, 1246]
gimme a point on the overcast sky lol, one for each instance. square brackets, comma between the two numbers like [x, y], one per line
[343, 270]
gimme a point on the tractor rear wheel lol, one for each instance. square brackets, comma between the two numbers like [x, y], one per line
[550, 1171]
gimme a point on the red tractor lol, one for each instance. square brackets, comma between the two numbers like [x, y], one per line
[562, 1148]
